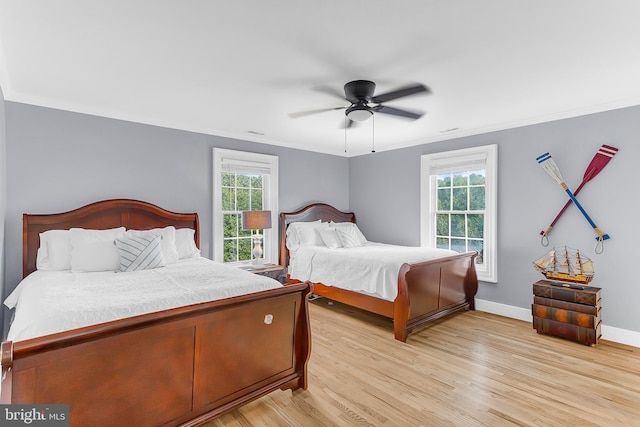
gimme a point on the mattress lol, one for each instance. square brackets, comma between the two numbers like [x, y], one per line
[370, 269]
[47, 302]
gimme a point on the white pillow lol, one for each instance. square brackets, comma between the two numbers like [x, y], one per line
[142, 252]
[185, 243]
[352, 229]
[169, 250]
[309, 235]
[94, 250]
[348, 238]
[330, 237]
[292, 235]
[54, 253]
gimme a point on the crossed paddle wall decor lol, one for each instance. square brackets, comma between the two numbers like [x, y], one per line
[599, 161]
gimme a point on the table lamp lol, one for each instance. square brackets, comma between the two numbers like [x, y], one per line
[256, 220]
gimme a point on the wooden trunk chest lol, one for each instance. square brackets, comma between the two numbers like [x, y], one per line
[569, 312]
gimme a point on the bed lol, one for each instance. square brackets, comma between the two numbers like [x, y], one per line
[177, 366]
[426, 290]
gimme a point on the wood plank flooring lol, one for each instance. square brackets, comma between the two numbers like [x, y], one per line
[469, 369]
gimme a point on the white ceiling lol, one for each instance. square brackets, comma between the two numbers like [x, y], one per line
[238, 68]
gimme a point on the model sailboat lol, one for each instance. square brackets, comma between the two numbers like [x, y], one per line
[565, 265]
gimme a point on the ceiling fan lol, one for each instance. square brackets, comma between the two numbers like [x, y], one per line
[360, 93]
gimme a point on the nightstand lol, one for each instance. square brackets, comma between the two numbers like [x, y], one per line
[567, 311]
[275, 271]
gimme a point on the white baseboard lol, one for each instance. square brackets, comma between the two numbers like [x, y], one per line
[610, 333]
[504, 310]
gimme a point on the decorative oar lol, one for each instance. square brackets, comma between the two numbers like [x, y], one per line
[599, 161]
[549, 165]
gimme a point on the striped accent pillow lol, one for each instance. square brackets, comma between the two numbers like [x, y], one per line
[348, 237]
[140, 252]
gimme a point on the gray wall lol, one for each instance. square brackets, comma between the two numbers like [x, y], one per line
[60, 160]
[3, 192]
[384, 192]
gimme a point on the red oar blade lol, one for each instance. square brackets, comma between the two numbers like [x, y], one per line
[599, 161]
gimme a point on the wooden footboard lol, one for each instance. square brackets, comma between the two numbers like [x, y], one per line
[432, 289]
[176, 367]
[426, 291]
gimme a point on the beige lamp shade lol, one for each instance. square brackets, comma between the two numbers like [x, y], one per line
[256, 220]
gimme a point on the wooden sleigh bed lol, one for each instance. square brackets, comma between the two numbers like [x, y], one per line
[181, 366]
[426, 291]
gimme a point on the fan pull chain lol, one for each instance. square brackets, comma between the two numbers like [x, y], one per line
[345, 133]
[373, 133]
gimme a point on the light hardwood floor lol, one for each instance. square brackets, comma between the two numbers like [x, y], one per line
[469, 369]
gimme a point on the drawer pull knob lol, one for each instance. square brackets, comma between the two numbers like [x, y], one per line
[268, 319]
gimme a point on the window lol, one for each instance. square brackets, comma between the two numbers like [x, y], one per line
[459, 204]
[243, 181]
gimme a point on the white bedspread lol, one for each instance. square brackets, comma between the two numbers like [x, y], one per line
[372, 268]
[53, 301]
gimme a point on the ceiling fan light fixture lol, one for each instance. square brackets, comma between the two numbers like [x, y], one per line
[359, 113]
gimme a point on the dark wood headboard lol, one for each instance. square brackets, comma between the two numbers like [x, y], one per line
[313, 212]
[132, 214]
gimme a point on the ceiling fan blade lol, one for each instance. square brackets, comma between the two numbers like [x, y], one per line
[310, 112]
[399, 93]
[397, 112]
[328, 90]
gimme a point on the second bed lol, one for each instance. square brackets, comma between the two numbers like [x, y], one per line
[412, 286]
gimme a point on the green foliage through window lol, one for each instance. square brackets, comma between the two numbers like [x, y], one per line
[240, 192]
[460, 202]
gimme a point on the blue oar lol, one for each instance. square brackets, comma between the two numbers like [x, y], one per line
[549, 165]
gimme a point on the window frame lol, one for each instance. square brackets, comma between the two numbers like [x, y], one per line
[455, 159]
[246, 160]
